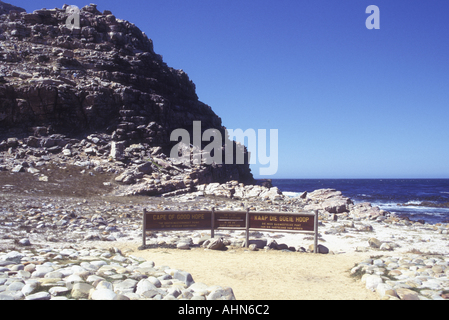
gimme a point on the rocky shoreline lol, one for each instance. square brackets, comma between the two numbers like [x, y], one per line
[30, 223]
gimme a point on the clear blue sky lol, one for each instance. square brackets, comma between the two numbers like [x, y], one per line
[348, 102]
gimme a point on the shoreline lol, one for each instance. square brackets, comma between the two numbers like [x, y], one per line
[426, 199]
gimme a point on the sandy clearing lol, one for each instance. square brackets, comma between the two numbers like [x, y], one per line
[272, 275]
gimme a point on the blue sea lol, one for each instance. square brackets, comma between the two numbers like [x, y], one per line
[417, 199]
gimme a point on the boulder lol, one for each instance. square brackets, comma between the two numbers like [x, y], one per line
[81, 290]
[259, 243]
[407, 294]
[372, 281]
[321, 249]
[323, 194]
[184, 277]
[39, 296]
[374, 243]
[117, 150]
[384, 290]
[183, 246]
[12, 142]
[214, 244]
[336, 205]
[103, 294]
[128, 285]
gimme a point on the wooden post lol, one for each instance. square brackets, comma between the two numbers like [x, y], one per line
[212, 224]
[144, 224]
[315, 240]
[247, 227]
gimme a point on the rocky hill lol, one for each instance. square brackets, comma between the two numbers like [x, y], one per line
[6, 8]
[98, 93]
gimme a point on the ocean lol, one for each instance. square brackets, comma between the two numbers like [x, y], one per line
[418, 199]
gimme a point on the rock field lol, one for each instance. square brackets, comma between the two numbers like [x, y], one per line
[406, 254]
[66, 273]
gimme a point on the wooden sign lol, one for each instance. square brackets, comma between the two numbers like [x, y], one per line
[230, 220]
[281, 221]
[177, 220]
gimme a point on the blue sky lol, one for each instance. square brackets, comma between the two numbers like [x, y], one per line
[348, 102]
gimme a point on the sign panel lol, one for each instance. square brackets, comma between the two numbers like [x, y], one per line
[230, 219]
[205, 220]
[279, 221]
[170, 220]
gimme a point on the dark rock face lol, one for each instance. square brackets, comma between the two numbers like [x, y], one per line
[6, 8]
[103, 77]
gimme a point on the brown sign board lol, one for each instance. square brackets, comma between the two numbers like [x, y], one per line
[177, 220]
[230, 219]
[281, 221]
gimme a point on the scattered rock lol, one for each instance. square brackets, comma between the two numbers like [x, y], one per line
[214, 244]
[407, 294]
[321, 249]
[83, 278]
[25, 242]
[374, 243]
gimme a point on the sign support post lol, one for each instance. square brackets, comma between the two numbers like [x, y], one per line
[247, 227]
[315, 238]
[212, 223]
[144, 225]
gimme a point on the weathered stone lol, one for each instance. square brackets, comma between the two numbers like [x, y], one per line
[103, 294]
[81, 290]
[145, 285]
[384, 289]
[155, 281]
[259, 243]
[215, 244]
[128, 285]
[372, 281]
[252, 247]
[41, 271]
[321, 249]
[13, 256]
[183, 246]
[184, 277]
[18, 168]
[29, 288]
[58, 291]
[374, 243]
[39, 296]
[12, 142]
[16, 286]
[407, 294]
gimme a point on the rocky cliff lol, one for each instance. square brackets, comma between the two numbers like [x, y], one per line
[102, 80]
[6, 8]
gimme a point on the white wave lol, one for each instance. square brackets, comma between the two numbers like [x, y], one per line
[291, 194]
[411, 202]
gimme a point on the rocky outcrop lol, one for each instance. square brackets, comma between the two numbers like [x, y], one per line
[236, 190]
[6, 8]
[60, 85]
[329, 200]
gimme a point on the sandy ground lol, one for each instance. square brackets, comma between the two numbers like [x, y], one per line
[277, 275]
[272, 275]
